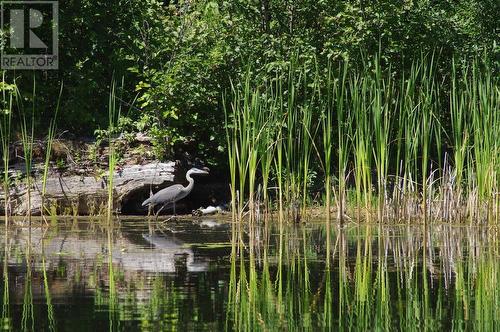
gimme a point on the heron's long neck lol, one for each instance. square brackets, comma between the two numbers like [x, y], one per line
[191, 182]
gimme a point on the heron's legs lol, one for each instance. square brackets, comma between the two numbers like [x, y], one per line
[163, 206]
[158, 213]
[172, 216]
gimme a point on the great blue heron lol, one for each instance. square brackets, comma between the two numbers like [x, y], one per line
[170, 195]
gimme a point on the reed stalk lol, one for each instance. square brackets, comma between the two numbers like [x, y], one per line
[327, 131]
[379, 126]
[381, 95]
[27, 139]
[48, 152]
[114, 113]
[426, 110]
[343, 139]
[8, 92]
[267, 151]
[362, 145]
[459, 125]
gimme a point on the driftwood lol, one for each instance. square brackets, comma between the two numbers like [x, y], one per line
[87, 194]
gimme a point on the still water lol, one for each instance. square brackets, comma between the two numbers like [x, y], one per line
[210, 275]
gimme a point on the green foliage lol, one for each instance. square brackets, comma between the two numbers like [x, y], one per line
[178, 57]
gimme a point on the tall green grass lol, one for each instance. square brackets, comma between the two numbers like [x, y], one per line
[344, 133]
[8, 96]
[326, 127]
[114, 113]
[382, 109]
[270, 131]
[48, 152]
[25, 124]
[362, 142]
[382, 134]
[27, 128]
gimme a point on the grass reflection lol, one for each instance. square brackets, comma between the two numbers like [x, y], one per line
[403, 278]
[6, 317]
[274, 276]
[48, 298]
[28, 319]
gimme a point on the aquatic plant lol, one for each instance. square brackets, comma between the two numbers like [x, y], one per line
[381, 112]
[27, 128]
[326, 130]
[114, 113]
[8, 91]
[388, 139]
[48, 152]
[344, 133]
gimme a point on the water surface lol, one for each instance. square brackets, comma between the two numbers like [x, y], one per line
[208, 274]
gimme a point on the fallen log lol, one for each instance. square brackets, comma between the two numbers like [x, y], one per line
[86, 194]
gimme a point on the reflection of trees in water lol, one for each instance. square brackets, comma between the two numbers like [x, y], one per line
[118, 273]
[374, 275]
[74, 255]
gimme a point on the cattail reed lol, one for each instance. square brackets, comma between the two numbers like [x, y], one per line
[410, 143]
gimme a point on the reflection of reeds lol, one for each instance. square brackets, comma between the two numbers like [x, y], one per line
[28, 319]
[48, 297]
[6, 318]
[400, 278]
[113, 308]
[298, 277]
